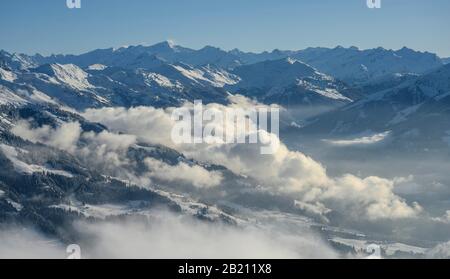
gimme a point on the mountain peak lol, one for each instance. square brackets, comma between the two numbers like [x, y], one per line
[164, 46]
[406, 49]
[167, 43]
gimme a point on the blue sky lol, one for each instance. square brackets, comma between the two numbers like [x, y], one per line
[48, 26]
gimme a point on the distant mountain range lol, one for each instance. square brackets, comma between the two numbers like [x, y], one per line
[348, 64]
[173, 74]
[354, 65]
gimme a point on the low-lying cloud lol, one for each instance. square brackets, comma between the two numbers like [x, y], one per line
[108, 152]
[167, 236]
[283, 172]
[198, 176]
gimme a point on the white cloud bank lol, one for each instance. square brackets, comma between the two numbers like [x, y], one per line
[285, 171]
[173, 237]
[198, 176]
[107, 152]
[65, 137]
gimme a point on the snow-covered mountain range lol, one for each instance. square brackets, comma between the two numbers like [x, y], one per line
[63, 161]
[354, 65]
[343, 63]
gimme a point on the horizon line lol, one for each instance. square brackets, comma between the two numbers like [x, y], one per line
[171, 43]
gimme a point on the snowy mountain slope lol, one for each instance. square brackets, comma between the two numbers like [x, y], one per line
[68, 75]
[66, 83]
[166, 85]
[288, 82]
[7, 75]
[7, 97]
[417, 111]
[207, 76]
[100, 85]
[16, 61]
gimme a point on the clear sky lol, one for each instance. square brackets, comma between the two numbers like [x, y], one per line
[48, 26]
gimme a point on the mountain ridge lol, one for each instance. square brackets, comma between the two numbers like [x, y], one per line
[349, 64]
